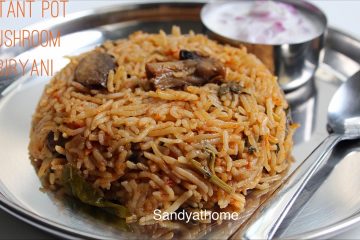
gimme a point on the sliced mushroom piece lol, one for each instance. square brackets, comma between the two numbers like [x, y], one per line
[211, 70]
[185, 54]
[51, 143]
[93, 70]
[193, 70]
[230, 87]
[176, 75]
[75, 148]
[207, 68]
[161, 69]
[136, 153]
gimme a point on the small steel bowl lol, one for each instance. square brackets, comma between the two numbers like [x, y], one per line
[293, 63]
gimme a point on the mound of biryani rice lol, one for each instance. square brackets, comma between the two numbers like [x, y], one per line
[161, 121]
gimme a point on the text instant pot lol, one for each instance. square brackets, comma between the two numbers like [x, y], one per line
[14, 41]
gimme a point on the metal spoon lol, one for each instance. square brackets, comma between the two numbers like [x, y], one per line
[343, 124]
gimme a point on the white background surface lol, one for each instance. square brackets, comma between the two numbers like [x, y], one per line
[343, 15]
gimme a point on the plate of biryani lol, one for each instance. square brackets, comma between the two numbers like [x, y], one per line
[149, 120]
[159, 121]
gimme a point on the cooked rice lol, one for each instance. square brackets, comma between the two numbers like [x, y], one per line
[172, 127]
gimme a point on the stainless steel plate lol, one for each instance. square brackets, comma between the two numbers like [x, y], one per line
[329, 204]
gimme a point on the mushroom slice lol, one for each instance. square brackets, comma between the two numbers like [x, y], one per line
[93, 70]
[193, 69]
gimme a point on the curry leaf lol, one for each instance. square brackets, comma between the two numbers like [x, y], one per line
[83, 191]
[210, 173]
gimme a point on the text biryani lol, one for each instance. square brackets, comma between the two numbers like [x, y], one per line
[164, 122]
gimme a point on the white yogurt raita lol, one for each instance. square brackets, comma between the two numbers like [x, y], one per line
[261, 22]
